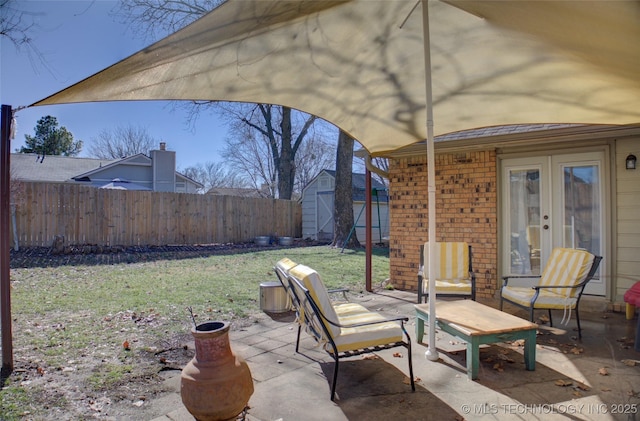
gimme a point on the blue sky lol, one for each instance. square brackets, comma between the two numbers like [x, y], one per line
[75, 40]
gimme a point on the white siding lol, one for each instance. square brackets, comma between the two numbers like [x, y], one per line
[628, 218]
[137, 174]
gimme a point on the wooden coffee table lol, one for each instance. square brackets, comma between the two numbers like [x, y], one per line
[477, 324]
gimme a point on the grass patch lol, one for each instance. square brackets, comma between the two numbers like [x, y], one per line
[19, 403]
[108, 375]
[13, 403]
[226, 286]
[71, 322]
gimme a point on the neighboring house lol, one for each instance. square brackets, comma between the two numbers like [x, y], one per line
[156, 172]
[317, 207]
[516, 192]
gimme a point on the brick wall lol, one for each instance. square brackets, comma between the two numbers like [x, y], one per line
[466, 210]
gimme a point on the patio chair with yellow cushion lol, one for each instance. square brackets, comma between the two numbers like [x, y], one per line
[344, 329]
[559, 287]
[454, 271]
[282, 268]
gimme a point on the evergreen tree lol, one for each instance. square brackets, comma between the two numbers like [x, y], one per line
[50, 139]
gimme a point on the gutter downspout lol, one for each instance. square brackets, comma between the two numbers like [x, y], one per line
[369, 165]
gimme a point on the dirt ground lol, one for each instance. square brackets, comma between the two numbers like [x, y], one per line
[96, 385]
[62, 393]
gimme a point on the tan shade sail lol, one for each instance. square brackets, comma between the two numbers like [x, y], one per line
[359, 64]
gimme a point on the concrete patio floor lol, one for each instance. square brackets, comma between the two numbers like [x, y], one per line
[590, 379]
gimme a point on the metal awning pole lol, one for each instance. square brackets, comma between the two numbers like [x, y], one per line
[368, 245]
[5, 282]
[432, 352]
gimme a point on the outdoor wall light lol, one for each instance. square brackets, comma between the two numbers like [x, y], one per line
[631, 162]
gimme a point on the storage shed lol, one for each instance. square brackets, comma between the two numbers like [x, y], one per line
[317, 207]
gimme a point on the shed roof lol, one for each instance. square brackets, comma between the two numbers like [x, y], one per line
[358, 180]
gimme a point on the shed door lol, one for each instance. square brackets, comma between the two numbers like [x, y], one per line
[324, 206]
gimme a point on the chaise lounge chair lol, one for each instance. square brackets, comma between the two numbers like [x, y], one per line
[342, 329]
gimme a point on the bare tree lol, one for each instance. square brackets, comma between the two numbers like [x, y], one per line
[14, 23]
[215, 174]
[244, 151]
[265, 142]
[278, 130]
[314, 155]
[343, 219]
[155, 18]
[121, 142]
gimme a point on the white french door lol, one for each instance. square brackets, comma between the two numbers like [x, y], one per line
[552, 201]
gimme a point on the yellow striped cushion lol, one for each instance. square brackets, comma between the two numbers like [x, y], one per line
[566, 267]
[285, 265]
[452, 261]
[462, 287]
[352, 338]
[310, 279]
[546, 299]
[345, 309]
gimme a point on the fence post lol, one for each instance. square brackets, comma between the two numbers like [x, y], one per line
[5, 257]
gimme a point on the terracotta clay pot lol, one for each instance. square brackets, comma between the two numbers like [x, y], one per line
[216, 384]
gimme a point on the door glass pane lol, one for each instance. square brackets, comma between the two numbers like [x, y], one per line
[524, 196]
[582, 208]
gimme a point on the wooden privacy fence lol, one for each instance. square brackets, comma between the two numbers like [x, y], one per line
[88, 215]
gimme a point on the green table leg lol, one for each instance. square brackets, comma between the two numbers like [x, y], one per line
[419, 329]
[530, 350]
[473, 357]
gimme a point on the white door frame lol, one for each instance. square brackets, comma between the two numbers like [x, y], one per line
[551, 168]
[559, 162]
